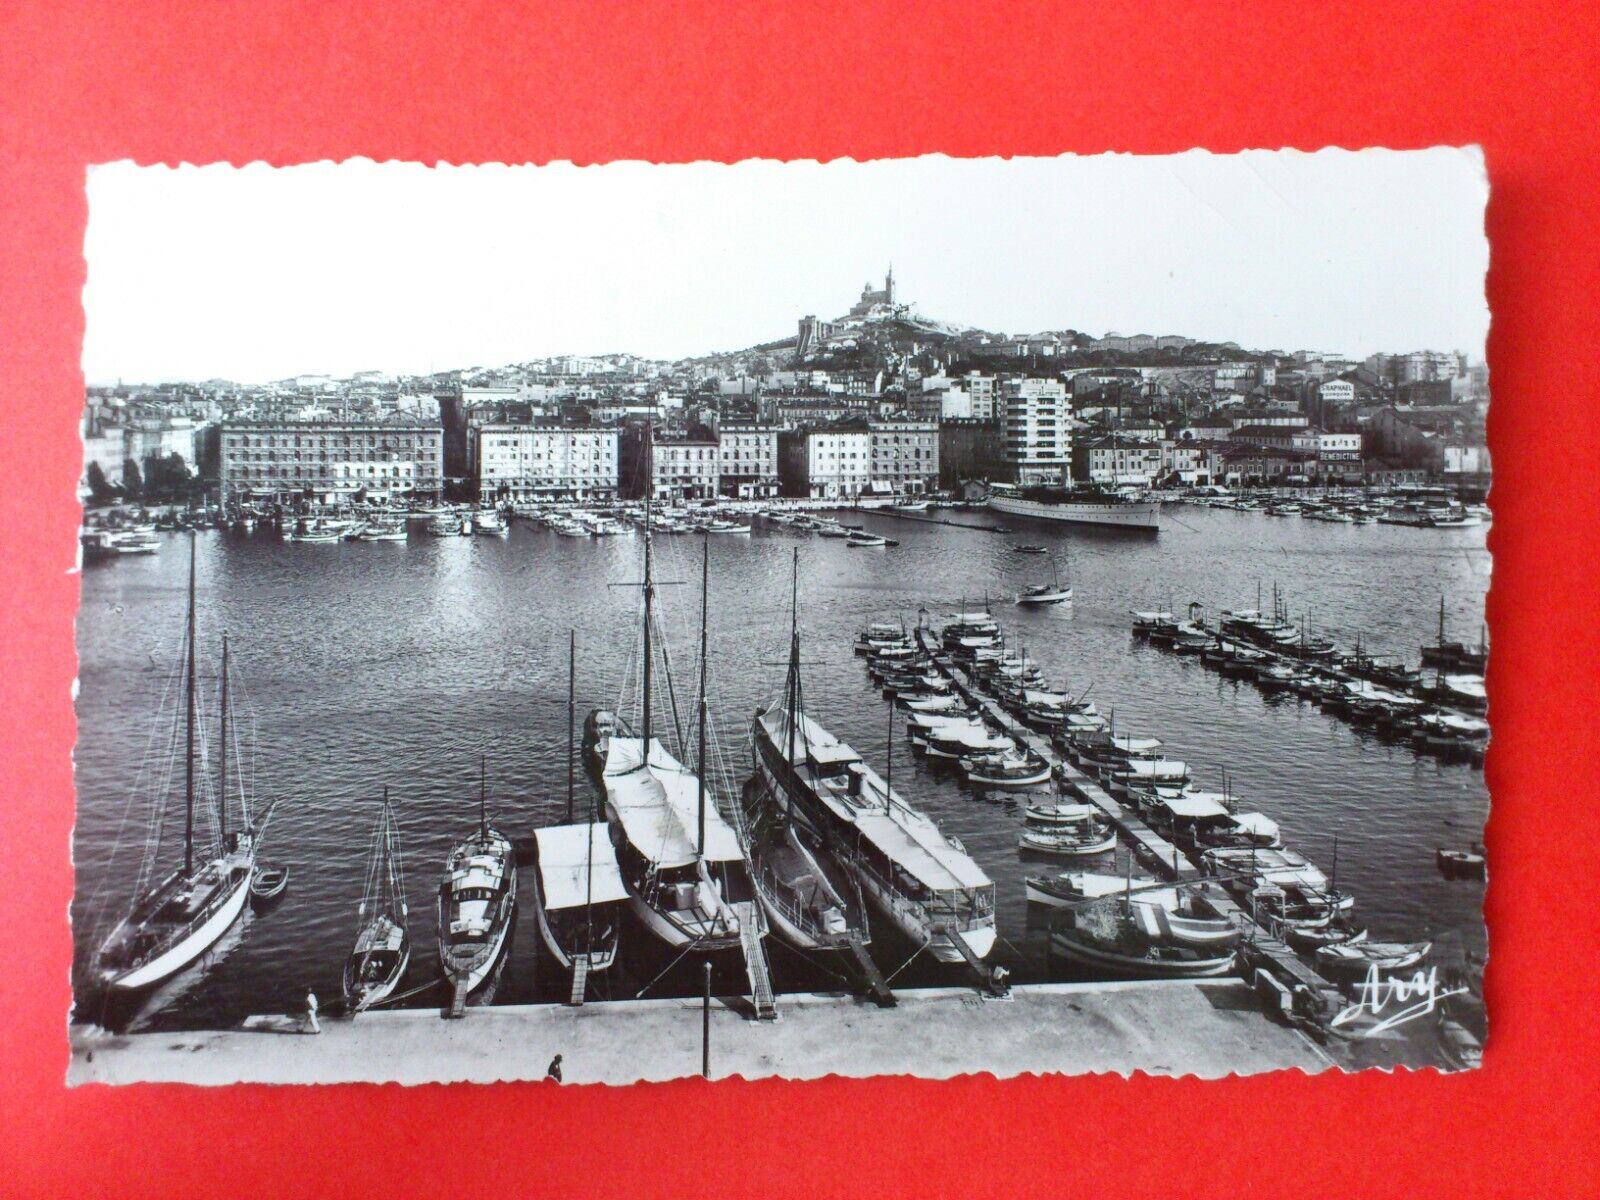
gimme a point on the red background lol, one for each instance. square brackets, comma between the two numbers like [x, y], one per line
[290, 82]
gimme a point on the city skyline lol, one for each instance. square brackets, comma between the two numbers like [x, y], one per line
[257, 273]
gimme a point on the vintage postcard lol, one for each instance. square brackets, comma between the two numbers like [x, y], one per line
[542, 621]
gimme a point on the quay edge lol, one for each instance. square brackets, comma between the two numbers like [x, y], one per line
[1208, 1029]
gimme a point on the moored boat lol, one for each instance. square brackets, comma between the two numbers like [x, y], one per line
[477, 903]
[378, 961]
[179, 914]
[1353, 960]
[268, 885]
[579, 894]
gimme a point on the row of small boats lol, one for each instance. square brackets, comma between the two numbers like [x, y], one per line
[1147, 927]
[1426, 512]
[1441, 718]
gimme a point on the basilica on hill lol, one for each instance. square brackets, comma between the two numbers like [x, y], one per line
[875, 305]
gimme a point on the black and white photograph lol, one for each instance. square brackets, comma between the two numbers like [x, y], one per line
[923, 616]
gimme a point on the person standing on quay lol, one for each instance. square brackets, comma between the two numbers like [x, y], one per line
[553, 1071]
[311, 1011]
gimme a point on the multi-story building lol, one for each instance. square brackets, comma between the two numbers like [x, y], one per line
[904, 456]
[332, 460]
[1036, 423]
[983, 391]
[831, 463]
[1191, 462]
[1267, 464]
[682, 467]
[542, 462]
[1116, 461]
[748, 460]
[970, 450]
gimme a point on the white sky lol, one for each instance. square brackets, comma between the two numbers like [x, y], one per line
[258, 273]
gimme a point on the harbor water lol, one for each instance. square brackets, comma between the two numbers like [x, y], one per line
[367, 666]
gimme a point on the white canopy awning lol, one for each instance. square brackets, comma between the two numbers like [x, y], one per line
[578, 865]
[1193, 807]
[659, 806]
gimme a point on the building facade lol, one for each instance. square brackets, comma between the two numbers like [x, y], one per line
[748, 460]
[682, 468]
[1116, 462]
[332, 460]
[970, 450]
[1036, 423]
[825, 464]
[538, 462]
[904, 456]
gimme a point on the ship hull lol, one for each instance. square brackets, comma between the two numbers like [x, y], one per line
[190, 948]
[1140, 516]
[910, 922]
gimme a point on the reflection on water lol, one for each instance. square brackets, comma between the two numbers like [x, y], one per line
[372, 665]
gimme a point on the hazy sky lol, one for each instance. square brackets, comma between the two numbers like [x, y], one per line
[258, 273]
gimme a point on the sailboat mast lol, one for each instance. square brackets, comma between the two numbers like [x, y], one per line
[188, 734]
[572, 688]
[793, 689]
[483, 796]
[700, 768]
[222, 786]
[888, 768]
[649, 585]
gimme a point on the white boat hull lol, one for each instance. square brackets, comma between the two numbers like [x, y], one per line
[904, 917]
[479, 975]
[190, 948]
[1141, 515]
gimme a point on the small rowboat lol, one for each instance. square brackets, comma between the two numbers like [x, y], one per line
[268, 884]
[869, 539]
[1030, 549]
[1462, 864]
[1309, 940]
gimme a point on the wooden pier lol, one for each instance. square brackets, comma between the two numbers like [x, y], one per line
[1157, 854]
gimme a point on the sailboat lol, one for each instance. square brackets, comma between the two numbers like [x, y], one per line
[578, 886]
[383, 945]
[925, 884]
[684, 866]
[810, 897]
[477, 900]
[1046, 593]
[180, 916]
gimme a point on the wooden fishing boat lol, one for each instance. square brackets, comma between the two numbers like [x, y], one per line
[1067, 831]
[1354, 960]
[382, 950]
[1006, 769]
[1135, 935]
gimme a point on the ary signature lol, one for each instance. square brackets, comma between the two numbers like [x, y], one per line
[1393, 1002]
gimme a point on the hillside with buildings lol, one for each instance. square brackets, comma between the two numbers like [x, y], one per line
[879, 400]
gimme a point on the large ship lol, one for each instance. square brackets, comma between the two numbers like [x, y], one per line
[1078, 506]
